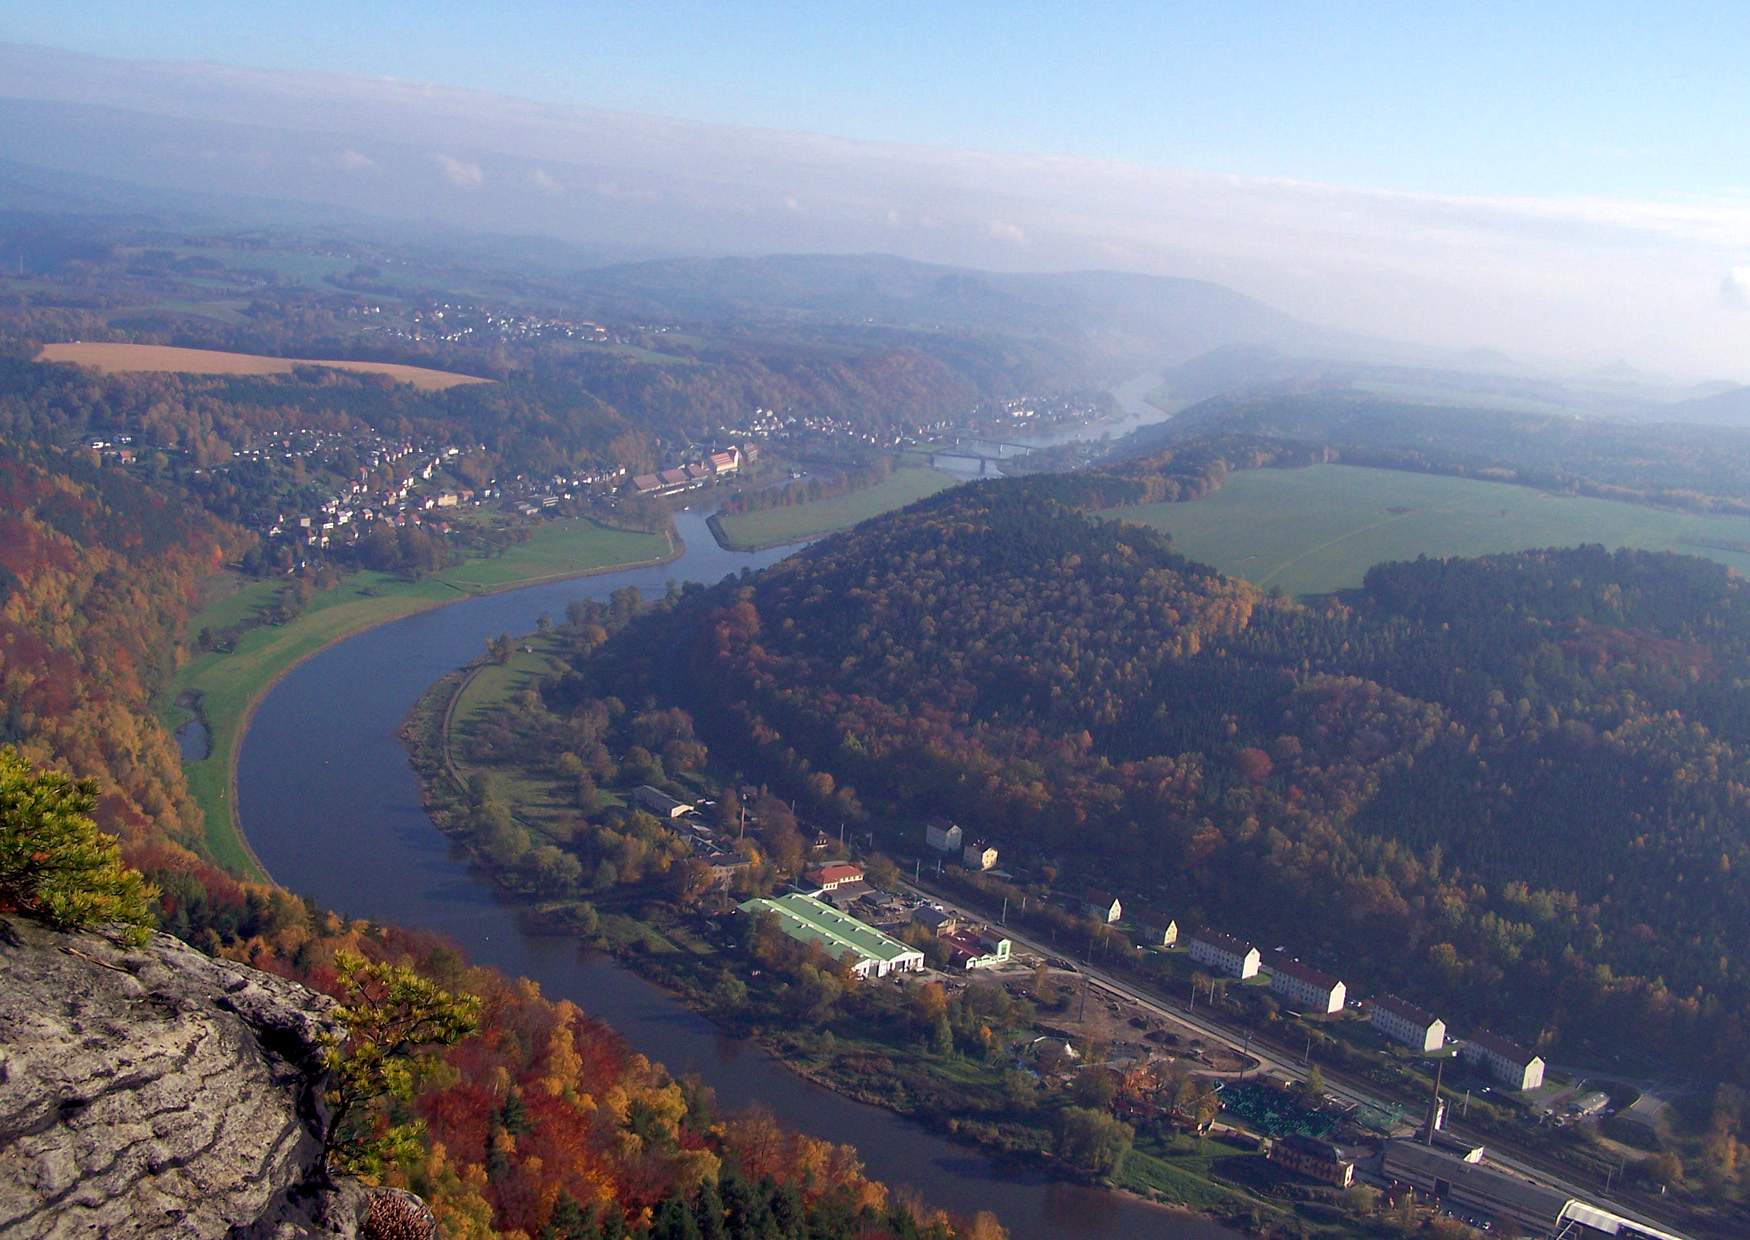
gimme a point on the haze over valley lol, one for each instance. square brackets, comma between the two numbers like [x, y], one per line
[662, 626]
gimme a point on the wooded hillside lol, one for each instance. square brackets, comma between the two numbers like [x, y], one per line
[1515, 787]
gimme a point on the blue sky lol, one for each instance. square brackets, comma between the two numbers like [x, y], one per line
[1538, 98]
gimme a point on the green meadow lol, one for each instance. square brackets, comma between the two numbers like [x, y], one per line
[1319, 529]
[775, 526]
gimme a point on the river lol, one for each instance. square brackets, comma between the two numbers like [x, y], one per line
[330, 804]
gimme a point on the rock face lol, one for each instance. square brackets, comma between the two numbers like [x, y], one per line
[157, 1092]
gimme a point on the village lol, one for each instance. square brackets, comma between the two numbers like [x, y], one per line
[1164, 1066]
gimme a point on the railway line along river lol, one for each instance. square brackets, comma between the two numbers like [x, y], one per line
[330, 804]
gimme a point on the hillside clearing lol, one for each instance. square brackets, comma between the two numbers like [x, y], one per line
[1321, 528]
[127, 358]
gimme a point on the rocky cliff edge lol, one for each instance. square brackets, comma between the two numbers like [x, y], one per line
[159, 1092]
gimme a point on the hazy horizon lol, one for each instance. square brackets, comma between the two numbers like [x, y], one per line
[1662, 284]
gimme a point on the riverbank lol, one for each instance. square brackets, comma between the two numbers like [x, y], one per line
[223, 688]
[872, 1055]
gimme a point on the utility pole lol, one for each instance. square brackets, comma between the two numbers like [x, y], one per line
[742, 830]
[1004, 919]
[1434, 1107]
[917, 869]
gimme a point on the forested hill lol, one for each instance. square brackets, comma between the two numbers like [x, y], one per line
[1515, 786]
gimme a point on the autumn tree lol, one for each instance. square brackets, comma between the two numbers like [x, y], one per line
[1092, 1141]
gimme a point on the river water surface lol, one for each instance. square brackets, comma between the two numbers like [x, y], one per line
[329, 802]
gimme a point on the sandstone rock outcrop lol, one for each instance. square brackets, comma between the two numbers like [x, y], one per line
[158, 1092]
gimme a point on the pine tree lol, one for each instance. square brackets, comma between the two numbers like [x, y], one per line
[55, 864]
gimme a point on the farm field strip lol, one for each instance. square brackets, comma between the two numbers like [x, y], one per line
[124, 358]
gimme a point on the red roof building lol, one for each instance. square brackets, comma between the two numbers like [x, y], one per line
[831, 877]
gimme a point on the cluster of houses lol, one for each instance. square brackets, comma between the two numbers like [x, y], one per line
[686, 477]
[705, 842]
[360, 500]
[457, 322]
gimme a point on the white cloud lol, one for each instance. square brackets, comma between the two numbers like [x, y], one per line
[1002, 230]
[459, 172]
[1735, 288]
[543, 180]
[793, 204]
[350, 160]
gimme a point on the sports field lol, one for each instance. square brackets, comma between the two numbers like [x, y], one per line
[122, 358]
[1318, 529]
[776, 526]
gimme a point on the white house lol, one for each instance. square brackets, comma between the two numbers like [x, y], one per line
[1508, 1062]
[1224, 952]
[1103, 906]
[1307, 987]
[1409, 1024]
[945, 838]
[979, 855]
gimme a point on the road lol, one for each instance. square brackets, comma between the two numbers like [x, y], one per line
[1531, 1166]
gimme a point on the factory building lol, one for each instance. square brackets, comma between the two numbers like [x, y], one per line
[807, 920]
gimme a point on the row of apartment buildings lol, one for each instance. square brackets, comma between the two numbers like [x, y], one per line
[1314, 990]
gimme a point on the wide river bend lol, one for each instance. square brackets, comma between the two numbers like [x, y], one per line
[330, 804]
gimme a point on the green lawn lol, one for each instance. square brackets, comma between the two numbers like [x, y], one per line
[228, 684]
[775, 526]
[1321, 528]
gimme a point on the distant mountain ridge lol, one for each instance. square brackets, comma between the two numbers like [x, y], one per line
[1119, 315]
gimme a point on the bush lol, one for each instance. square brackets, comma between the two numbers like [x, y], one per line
[55, 864]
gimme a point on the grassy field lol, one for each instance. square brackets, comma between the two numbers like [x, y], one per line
[540, 800]
[227, 684]
[776, 526]
[1319, 529]
[120, 358]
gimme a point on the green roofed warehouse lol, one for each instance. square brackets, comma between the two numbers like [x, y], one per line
[808, 920]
